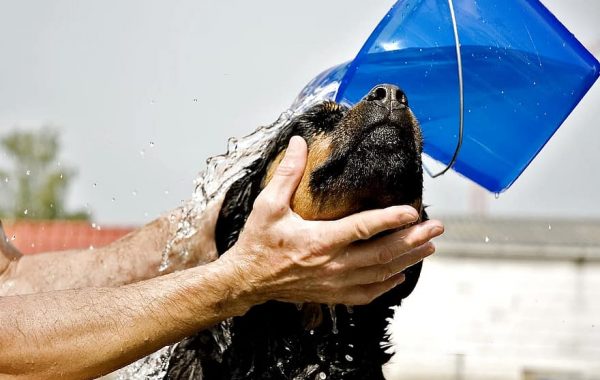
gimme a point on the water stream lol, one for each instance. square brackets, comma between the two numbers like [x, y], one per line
[220, 172]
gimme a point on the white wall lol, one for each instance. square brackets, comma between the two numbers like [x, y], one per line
[501, 317]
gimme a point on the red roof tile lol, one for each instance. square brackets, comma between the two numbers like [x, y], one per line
[58, 235]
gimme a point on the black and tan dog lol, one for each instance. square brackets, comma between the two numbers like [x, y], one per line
[361, 158]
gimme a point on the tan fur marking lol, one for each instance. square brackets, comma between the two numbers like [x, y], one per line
[303, 201]
[309, 208]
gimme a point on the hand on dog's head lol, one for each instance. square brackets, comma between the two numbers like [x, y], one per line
[365, 157]
[359, 158]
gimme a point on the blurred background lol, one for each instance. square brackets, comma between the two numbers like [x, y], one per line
[109, 109]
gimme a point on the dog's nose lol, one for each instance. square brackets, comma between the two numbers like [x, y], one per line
[387, 95]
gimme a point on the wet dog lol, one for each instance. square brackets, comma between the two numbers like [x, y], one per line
[359, 158]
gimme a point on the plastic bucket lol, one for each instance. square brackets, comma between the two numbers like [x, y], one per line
[523, 73]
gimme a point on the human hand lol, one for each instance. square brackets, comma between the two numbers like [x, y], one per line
[281, 256]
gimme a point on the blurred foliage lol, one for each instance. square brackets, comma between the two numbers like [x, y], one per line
[33, 183]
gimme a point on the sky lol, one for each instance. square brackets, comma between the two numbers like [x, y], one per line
[143, 92]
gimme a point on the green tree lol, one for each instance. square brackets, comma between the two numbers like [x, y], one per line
[35, 185]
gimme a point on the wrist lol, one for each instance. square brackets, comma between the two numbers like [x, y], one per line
[226, 282]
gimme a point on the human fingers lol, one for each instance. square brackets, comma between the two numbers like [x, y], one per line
[365, 224]
[287, 176]
[364, 294]
[390, 247]
[383, 272]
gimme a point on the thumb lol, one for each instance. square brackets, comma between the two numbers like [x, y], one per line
[288, 174]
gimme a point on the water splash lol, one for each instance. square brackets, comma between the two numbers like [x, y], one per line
[333, 315]
[222, 335]
[223, 170]
[153, 366]
[220, 173]
[216, 178]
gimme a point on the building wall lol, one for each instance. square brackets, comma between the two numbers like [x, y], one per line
[476, 319]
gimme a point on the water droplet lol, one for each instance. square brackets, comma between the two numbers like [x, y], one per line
[299, 306]
[61, 176]
[502, 92]
[534, 83]
[312, 332]
[349, 358]
[94, 185]
[151, 144]
[26, 211]
[195, 100]
[351, 345]
[142, 152]
[14, 237]
[349, 309]
[51, 205]
[166, 192]
[322, 376]
[152, 101]
[114, 199]
[487, 239]
[496, 195]
[28, 172]
[334, 328]
[93, 225]
[91, 248]
[232, 145]
[549, 227]
[6, 179]
[32, 245]
[134, 193]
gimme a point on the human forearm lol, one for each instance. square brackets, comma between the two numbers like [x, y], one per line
[135, 257]
[88, 332]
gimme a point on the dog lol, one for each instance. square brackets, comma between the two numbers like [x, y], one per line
[359, 158]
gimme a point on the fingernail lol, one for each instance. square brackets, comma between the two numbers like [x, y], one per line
[293, 145]
[437, 230]
[430, 248]
[407, 215]
[291, 150]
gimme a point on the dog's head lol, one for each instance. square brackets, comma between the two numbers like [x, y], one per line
[359, 158]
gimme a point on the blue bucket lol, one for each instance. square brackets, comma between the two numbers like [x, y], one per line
[522, 74]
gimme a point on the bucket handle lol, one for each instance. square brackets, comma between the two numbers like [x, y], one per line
[461, 109]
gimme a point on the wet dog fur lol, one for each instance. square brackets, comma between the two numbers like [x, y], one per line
[359, 158]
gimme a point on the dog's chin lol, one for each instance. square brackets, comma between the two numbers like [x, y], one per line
[381, 138]
[380, 146]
